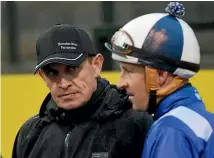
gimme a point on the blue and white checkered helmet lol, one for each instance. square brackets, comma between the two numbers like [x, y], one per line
[159, 40]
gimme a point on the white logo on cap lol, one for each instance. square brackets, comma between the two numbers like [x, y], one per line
[67, 45]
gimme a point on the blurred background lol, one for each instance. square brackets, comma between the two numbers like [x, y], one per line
[23, 22]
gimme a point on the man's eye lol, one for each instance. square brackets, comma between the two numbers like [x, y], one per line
[51, 73]
[73, 69]
[126, 71]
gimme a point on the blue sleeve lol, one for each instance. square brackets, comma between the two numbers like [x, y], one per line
[209, 151]
[167, 143]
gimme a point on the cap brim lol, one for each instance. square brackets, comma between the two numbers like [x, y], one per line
[71, 59]
[108, 46]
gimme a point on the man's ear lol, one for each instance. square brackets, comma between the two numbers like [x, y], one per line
[42, 75]
[162, 78]
[97, 63]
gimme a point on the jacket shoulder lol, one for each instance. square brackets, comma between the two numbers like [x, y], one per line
[22, 138]
[29, 124]
[29, 128]
[138, 121]
[132, 129]
[139, 117]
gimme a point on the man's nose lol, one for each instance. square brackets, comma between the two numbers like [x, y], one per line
[121, 83]
[64, 83]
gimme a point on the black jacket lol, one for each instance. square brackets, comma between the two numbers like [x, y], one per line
[105, 127]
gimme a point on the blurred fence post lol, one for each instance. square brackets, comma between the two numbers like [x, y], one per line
[13, 47]
[102, 33]
[108, 12]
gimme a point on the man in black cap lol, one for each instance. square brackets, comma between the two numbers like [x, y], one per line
[83, 116]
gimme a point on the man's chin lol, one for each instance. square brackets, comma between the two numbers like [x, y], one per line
[69, 106]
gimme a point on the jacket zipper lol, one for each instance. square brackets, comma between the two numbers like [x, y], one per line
[66, 142]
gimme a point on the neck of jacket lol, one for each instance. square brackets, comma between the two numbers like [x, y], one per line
[106, 102]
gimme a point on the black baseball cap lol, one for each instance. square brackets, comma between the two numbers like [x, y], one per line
[64, 44]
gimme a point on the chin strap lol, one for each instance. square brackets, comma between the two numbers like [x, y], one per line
[152, 102]
[154, 92]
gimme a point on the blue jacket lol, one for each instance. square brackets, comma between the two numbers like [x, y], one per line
[182, 128]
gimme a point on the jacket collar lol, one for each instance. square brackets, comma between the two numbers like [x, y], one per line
[106, 101]
[184, 96]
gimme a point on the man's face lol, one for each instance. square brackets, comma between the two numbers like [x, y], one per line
[132, 78]
[71, 87]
